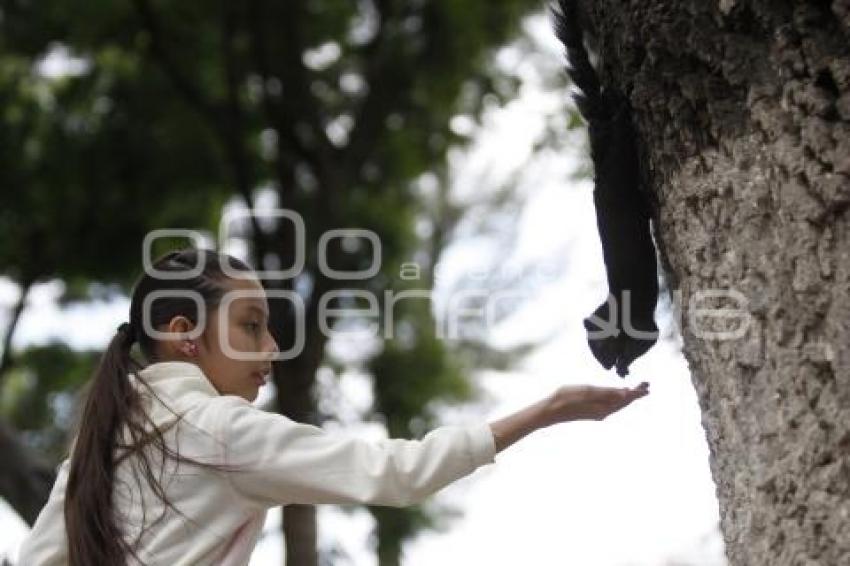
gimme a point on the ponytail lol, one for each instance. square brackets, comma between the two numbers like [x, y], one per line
[93, 535]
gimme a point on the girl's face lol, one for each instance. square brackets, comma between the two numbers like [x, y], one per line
[238, 328]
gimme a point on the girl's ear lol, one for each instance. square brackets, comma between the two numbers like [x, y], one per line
[178, 327]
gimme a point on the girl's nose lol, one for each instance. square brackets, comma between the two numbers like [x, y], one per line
[273, 349]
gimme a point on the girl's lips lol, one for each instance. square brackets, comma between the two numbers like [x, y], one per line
[259, 378]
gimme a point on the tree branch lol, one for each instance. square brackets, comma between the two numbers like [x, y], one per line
[180, 82]
[281, 120]
[296, 80]
[231, 138]
[226, 123]
[6, 356]
[386, 89]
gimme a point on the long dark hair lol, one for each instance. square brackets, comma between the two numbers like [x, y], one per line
[112, 403]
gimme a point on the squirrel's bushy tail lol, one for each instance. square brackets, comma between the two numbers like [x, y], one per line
[590, 101]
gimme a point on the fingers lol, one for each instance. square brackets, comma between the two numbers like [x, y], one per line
[627, 394]
[642, 389]
[595, 402]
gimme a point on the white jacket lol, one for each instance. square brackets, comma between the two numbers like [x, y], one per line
[281, 461]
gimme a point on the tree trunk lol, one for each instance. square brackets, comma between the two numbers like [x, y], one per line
[294, 379]
[299, 521]
[300, 536]
[744, 115]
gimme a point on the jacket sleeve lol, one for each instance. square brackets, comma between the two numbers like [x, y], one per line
[283, 461]
[47, 544]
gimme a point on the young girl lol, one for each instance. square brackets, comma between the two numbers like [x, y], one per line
[122, 496]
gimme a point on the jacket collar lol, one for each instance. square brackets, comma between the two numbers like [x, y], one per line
[177, 379]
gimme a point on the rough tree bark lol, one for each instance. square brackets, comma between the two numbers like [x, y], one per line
[744, 113]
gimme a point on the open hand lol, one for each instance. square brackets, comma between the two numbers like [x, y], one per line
[590, 402]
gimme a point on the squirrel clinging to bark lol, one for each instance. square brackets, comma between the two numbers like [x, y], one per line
[623, 327]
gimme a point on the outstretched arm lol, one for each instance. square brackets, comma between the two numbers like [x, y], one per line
[282, 461]
[567, 403]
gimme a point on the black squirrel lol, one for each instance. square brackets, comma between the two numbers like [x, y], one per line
[623, 327]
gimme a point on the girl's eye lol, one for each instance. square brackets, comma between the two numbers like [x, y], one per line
[254, 326]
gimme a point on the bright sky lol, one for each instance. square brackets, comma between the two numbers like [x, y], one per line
[633, 490]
